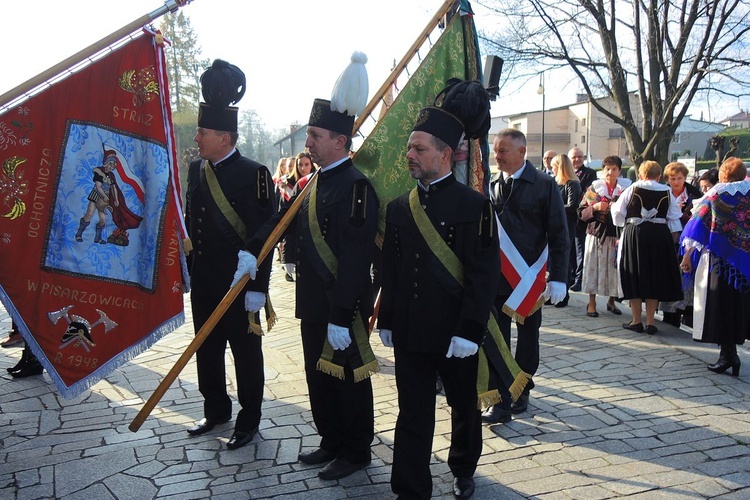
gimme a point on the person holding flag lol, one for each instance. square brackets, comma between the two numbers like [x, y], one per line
[440, 273]
[228, 198]
[335, 232]
[532, 229]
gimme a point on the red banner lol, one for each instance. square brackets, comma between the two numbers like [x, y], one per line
[90, 223]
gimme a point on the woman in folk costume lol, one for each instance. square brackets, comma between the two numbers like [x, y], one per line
[646, 257]
[716, 242]
[683, 194]
[600, 275]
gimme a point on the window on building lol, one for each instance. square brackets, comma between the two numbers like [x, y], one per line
[583, 139]
[676, 139]
[576, 126]
[583, 122]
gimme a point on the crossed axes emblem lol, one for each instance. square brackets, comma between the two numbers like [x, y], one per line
[79, 329]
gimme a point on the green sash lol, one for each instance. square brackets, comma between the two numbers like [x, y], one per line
[239, 227]
[495, 348]
[359, 354]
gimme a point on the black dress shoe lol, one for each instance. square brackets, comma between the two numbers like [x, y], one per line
[463, 487]
[520, 405]
[613, 309]
[726, 362]
[204, 425]
[496, 414]
[315, 457]
[241, 438]
[30, 368]
[563, 302]
[638, 327]
[651, 329]
[340, 468]
[594, 314]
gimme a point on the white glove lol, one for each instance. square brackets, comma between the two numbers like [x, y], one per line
[338, 337]
[254, 301]
[386, 337]
[555, 291]
[247, 264]
[461, 348]
[290, 269]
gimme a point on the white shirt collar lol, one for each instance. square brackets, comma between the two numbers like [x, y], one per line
[334, 164]
[433, 182]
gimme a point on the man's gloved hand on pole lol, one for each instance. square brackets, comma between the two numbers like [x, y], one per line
[247, 264]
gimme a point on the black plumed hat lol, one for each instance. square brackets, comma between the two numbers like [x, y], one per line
[222, 85]
[462, 108]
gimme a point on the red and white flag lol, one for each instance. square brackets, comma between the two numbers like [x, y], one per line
[90, 220]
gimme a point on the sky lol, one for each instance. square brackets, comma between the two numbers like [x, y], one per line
[291, 51]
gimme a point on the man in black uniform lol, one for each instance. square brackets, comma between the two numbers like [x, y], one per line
[441, 270]
[334, 230]
[228, 198]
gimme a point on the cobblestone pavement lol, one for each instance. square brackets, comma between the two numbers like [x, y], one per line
[614, 414]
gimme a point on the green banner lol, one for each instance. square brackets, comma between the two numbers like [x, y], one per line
[382, 156]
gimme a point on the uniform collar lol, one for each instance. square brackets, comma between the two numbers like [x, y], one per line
[226, 160]
[438, 184]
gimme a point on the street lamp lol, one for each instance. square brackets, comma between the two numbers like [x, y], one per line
[540, 91]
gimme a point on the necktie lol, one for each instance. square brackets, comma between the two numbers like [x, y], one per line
[508, 188]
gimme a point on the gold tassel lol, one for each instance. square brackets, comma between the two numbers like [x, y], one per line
[253, 327]
[270, 313]
[366, 371]
[514, 316]
[331, 369]
[187, 245]
[487, 399]
[516, 388]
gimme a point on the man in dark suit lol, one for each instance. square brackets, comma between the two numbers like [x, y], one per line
[533, 235]
[435, 321]
[587, 176]
[335, 231]
[228, 198]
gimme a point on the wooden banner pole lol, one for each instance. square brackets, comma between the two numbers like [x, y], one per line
[77, 58]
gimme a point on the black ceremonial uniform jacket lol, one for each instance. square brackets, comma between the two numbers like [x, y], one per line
[533, 216]
[248, 187]
[416, 305]
[347, 211]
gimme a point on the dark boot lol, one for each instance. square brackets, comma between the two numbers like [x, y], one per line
[98, 235]
[31, 367]
[21, 363]
[82, 225]
[728, 358]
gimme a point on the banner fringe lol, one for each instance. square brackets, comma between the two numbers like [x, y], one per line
[75, 390]
[331, 369]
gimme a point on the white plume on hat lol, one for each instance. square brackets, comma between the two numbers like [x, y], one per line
[350, 92]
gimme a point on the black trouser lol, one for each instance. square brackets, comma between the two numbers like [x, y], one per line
[580, 246]
[248, 363]
[415, 427]
[342, 409]
[527, 343]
